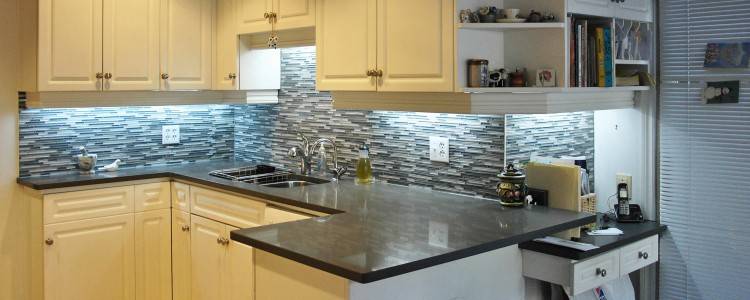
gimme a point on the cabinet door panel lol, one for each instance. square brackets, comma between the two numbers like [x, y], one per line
[294, 13]
[207, 258]
[250, 15]
[186, 44]
[640, 10]
[226, 47]
[131, 44]
[240, 270]
[153, 257]
[604, 8]
[152, 196]
[70, 45]
[79, 205]
[415, 45]
[181, 196]
[90, 259]
[181, 277]
[346, 37]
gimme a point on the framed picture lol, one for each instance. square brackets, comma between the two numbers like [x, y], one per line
[546, 78]
[727, 55]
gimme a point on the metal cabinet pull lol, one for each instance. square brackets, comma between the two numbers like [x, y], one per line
[107, 76]
[601, 272]
[185, 228]
[222, 241]
[49, 242]
[370, 73]
[232, 76]
[379, 73]
[99, 75]
[643, 255]
[164, 76]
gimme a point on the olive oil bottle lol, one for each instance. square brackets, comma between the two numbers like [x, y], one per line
[364, 166]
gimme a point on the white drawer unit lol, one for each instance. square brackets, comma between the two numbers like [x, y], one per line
[594, 272]
[226, 208]
[578, 276]
[152, 196]
[79, 205]
[638, 255]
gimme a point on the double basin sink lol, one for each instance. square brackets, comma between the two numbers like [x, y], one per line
[268, 176]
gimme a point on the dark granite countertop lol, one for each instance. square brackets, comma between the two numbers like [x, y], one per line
[373, 231]
[631, 232]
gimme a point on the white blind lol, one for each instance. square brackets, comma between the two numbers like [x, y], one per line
[704, 156]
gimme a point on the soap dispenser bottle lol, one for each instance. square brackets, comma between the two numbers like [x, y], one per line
[364, 166]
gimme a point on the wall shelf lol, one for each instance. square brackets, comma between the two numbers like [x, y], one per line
[544, 90]
[631, 62]
[509, 26]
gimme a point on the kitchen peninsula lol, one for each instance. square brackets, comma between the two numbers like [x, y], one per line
[359, 242]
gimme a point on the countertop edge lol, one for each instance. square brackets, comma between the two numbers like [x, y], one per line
[581, 255]
[411, 266]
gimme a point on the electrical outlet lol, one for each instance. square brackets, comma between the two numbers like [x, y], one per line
[626, 179]
[439, 149]
[170, 134]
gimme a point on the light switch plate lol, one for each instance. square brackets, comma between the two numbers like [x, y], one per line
[439, 149]
[170, 134]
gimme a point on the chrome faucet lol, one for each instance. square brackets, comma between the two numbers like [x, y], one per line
[306, 151]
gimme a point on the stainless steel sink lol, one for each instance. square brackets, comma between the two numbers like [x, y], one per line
[268, 176]
[294, 180]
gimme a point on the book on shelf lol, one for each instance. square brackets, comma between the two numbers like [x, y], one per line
[600, 57]
[608, 63]
[591, 54]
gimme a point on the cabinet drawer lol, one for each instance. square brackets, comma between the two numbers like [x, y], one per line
[88, 204]
[596, 271]
[275, 216]
[639, 255]
[229, 209]
[152, 196]
[181, 196]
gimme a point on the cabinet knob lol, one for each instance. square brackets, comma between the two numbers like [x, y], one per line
[185, 228]
[232, 76]
[99, 75]
[222, 241]
[164, 76]
[643, 255]
[379, 73]
[108, 76]
[370, 73]
[601, 272]
[49, 242]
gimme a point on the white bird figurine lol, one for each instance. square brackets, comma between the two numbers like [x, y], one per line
[111, 167]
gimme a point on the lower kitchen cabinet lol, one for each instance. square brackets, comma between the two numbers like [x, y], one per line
[220, 268]
[90, 259]
[180, 255]
[153, 255]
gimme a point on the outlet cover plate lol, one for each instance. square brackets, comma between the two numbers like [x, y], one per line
[627, 179]
[439, 149]
[170, 134]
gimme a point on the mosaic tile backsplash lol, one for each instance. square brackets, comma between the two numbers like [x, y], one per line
[49, 138]
[398, 141]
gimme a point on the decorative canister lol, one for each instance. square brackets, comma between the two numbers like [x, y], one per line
[512, 187]
[478, 73]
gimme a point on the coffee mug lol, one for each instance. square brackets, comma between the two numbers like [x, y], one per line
[510, 13]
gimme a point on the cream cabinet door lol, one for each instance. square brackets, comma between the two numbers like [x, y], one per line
[251, 16]
[153, 255]
[291, 14]
[70, 45]
[207, 254]
[227, 43]
[186, 44]
[131, 45]
[239, 269]
[603, 8]
[415, 45]
[181, 287]
[639, 10]
[91, 259]
[181, 196]
[346, 37]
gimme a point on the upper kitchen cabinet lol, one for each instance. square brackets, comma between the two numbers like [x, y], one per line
[256, 16]
[226, 58]
[70, 45]
[187, 44]
[385, 45]
[638, 10]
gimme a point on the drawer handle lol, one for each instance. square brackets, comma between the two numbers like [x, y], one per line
[601, 272]
[643, 255]
[222, 241]
[185, 228]
[49, 242]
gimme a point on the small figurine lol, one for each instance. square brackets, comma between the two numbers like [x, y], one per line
[534, 17]
[495, 79]
[548, 17]
[487, 14]
[465, 16]
[503, 78]
[518, 78]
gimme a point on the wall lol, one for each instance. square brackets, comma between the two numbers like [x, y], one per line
[51, 137]
[553, 135]
[14, 212]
